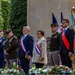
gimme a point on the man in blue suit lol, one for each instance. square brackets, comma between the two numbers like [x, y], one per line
[66, 46]
[2, 40]
[25, 49]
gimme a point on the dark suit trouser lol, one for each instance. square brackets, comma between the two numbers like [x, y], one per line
[25, 65]
[66, 60]
[1, 63]
[39, 65]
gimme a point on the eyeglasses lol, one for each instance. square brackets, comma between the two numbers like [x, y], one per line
[63, 22]
[38, 33]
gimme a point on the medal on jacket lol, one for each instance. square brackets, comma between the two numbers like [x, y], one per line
[72, 58]
[41, 58]
[9, 44]
[26, 55]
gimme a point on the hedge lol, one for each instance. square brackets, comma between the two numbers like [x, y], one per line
[18, 16]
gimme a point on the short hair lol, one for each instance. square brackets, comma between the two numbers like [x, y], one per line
[8, 31]
[66, 20]
[42, 32]
[27, 27]
[54, 25]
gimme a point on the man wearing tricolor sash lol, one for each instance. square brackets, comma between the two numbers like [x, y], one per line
[25, 49]
[40, 52]
[66, 45]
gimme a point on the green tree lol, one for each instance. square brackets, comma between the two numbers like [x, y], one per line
[1, 19]
[18, 16]
[5, 5]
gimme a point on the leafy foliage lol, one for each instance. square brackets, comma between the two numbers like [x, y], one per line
[52, 70]
[5, 5]
[1, 19]
[18, 17]
[13, 70]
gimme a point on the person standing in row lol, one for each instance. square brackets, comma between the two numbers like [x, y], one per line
[48, 49]
[2, 40]
[25, 49]
[11, 47]
[40, 50]
[66, 45]
[54, 46]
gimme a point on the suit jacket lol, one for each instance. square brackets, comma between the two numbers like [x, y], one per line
[70, 37]
[43, 46]
[2, 40]
[54, 42]
[11, 47]
[28, 43]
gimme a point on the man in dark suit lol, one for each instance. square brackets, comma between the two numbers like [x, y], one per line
[25, 49]
[2, 40]
[66, 45]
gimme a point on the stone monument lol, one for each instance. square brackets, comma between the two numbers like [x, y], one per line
[39, 13]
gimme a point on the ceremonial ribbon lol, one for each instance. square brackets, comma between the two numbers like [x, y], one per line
[22, 44]
[38, 50]
[65, 39]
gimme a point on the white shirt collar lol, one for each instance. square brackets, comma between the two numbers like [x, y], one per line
[66, 28]
[25, 35]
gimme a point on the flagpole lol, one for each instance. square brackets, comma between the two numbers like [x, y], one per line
[52, 16]
[74, 18]
[73, 8]
[61, 17]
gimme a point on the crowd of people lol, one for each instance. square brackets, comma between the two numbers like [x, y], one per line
[22, 50]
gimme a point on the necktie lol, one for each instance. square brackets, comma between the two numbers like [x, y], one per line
[64, 31]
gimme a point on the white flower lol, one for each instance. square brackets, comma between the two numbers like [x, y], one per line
[14, 63]
[8, 69]
[15, 71]
[39, 69]
[5, 71]
[2, 72]
[60, 65]
[45, 70]
[18, 72]
[50, 69]
[35, 71]
[30, 71]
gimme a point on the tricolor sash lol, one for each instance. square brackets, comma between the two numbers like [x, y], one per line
[65, 41]
[22, 44]
[38, 50]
